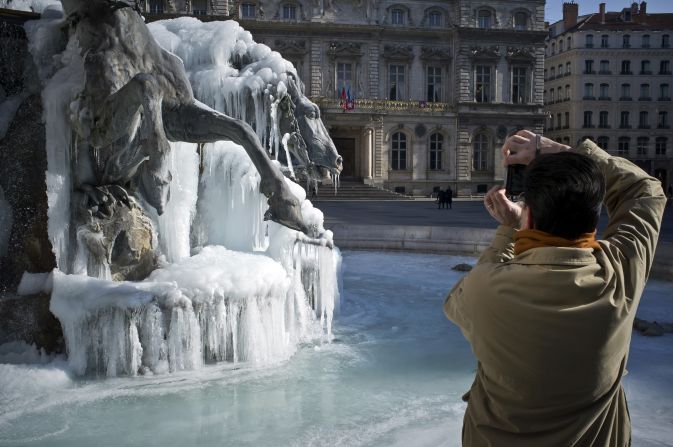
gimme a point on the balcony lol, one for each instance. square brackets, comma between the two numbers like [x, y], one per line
[664, 98]
[589, 72]
[604, 72]
[566, 126]
[645, 98]
[604, 98]
[589, 98]
[625, 98]
[663, 126]
[604, 126]
[645, 72]
[588, 126]
[644, 126]
[666, 72]
[624, 126]
[628, 72]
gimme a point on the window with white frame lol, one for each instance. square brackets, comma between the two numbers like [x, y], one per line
[434, 83]
[520, 85]
[436, 151]
[248, 10]
[482, 84]
[398, 151]
[397, 16]
[289, 11]
[396, 82]
[484, 19]
[481, 147]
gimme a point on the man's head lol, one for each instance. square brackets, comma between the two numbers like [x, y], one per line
[564, 192]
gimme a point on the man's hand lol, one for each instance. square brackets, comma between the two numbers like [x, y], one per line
[520, 147]
[502, 209]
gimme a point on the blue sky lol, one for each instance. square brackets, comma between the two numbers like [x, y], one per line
[554, 8]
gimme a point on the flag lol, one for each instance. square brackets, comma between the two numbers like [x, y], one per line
[350, 101]
[344, 99]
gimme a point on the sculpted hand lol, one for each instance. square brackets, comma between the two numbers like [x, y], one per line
[502, 209]
[520, 148]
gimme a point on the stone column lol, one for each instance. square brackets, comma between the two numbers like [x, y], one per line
[368, 153]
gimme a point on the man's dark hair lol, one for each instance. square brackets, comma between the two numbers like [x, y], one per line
[564, 192]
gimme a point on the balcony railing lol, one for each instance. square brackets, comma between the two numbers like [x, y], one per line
[604, 72]
[666, 72]
[589, 98]
[645, 72]
[644, 126]
[624, 126]
[604, 98]
[604, 126]
[663, 126]
[625, 98]
[589, 72]
[664, 98]
[627, 72]
[588, 126]
[383, 105]
[645, 98]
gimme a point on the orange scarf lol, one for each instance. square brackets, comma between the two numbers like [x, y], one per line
[527, 239]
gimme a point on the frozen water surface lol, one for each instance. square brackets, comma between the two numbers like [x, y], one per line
[392, 377]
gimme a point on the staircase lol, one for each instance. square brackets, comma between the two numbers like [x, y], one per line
[354, 190]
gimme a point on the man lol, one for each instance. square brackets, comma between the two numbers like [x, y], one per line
[548, 310]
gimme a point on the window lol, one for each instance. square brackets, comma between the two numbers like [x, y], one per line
[551, 95]
[552, 72]
[396, 82]
[553, 48]
[588, 116]
[567, 68]
[545, 74]
[520, 21]
[559, 94]
[626, 92]
[484, 19]
[624, 120]
[641, 145]
[397, 16]
[434, 84]
[626, 41]
[199, 7]
[588, 66]
[660, 145]
[605, 67]
[344, 75]
[662, 122]
[156, 7]
[566, 120]
[644, 92]
[560, 70]
[567, 92]
[605, 41]
[482, 88]
[589, 42]
[626, 67]
[643, 120]
[520, 85]
[399, 151]
[435, 19]
[603, 119]
[480, 154]
[588, 91]
[558, 120]
[604, 91]
[560, 46]
[289, 12]
[570, 42]
[623, 146]
[665, 41]
[603, 143]
[665, 68]
[436, 143]
[645, 67]
[645, 41]
[248, 11]
[664, 94]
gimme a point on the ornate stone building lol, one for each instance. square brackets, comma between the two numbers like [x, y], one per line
[417, 95]
[608, 78]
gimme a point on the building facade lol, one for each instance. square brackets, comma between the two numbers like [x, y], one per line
[608, 78]
[416, 95]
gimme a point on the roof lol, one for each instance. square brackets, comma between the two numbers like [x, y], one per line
[614, 22]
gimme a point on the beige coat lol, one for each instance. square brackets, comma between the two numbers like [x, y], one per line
[551, 327]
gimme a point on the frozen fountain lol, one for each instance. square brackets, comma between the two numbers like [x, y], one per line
[192, 247]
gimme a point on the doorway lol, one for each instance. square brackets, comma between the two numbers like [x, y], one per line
[346, 148]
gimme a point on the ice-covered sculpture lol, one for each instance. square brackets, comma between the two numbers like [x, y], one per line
[141, 174]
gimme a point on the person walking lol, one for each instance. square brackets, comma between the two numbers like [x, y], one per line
[449, 197]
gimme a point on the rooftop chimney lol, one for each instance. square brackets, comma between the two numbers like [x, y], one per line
[634, 9]
[643, 7]
[601, 11]
[570, 11]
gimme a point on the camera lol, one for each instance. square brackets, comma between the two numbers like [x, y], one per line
[514, 180]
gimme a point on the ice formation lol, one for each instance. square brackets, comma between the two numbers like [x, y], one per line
[232, 286]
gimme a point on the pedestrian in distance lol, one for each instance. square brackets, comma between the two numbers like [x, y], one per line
[549, 309]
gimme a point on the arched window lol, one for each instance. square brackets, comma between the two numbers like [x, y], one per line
[289, 11]
[484, 19]
[398, 151]
[156, 6]
[481, 147]
[435, 19]
[397, 16]
[520, 21]
[436, 151]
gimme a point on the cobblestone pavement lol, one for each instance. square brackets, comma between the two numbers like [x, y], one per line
[425, 212]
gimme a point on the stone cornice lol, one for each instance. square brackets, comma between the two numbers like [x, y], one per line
[437, 54]
[400, 52]
[340, 48]
[291, 47]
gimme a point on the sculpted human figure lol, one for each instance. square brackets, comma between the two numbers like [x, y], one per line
[136, 99]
